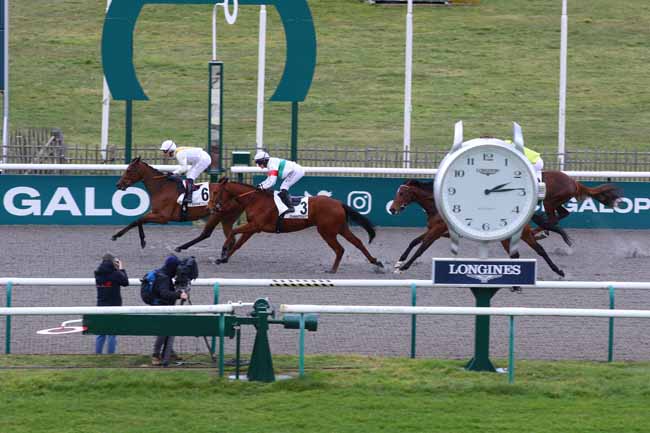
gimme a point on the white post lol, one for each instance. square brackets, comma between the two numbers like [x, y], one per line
[106, 108]
[408, 72]
[214, 31]
[261, 63]
[561, 128]
[5, 71]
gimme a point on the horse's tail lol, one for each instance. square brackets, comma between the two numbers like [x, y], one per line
[607, 194]
[364, 222]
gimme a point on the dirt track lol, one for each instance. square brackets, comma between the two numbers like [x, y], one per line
[70, 251]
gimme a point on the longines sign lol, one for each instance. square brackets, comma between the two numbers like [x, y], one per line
[485, 272]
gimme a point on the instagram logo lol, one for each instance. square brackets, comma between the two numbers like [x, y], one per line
[361, 201]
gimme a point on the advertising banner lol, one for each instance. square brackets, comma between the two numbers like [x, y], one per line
[485, 272]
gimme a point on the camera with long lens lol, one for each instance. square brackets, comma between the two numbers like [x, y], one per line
[186, 271]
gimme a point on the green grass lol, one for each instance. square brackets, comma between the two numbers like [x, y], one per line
[338, 394]
[487, 64]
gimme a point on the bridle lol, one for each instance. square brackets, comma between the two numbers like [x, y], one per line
[408, 188]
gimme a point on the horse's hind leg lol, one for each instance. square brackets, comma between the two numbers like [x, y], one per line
[530, 240]
[347, 234]
[141, 233]
[334, 244]
[206, 233]
[406, 253]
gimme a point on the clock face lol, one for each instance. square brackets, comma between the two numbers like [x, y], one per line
[487, 191]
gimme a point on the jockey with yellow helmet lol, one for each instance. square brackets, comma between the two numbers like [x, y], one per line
[193, 161]
[290, 173]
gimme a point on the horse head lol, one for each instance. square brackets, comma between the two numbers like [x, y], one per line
[216, 203]
[404, 196]
[133, 174]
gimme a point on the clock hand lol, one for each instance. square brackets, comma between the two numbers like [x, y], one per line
[496, 188]
[509, 189]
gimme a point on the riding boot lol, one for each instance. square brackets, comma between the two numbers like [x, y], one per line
[284, 196]
[189, 188]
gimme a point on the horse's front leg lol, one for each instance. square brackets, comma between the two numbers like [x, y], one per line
[206, 233]
[246, 231]
[406, 253]
[148, 218]
[429, 238]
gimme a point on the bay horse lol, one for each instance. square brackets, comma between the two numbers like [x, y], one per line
[561, 187]
[422, 193]
[330, 217]
[164, 208]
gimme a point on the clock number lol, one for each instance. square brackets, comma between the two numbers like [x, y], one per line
[469, 221]
[470, 161]
[516, 209]
[485, 226]
[504, 222]
[517, 174]
[459, 173]
[455, 208]
[488, 157]
[451, 190]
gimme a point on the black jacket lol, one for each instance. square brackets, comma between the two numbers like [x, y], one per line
[108, 281]
[164, 286]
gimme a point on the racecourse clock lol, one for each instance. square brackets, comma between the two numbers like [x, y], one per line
[485, 189]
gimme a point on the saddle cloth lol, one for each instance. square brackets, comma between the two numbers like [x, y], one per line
[300, 205]
[200, 195]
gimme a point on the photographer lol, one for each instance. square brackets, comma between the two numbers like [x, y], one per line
[166, 294]
[109, 277]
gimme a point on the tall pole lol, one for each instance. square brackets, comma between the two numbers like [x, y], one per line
[561, 128]
[261, 62]
[408, 72]
[294, 130]
[5, 75]
[128, 131]
[106, 108]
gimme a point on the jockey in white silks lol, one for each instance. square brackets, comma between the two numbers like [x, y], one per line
[193, 161]
[290, 172]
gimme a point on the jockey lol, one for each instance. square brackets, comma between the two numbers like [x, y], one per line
[193, 161]
[290, 173]
[536, 159]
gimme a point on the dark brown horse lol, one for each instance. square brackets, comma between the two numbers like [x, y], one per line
[560, 188]
[164, 208]
[422, 193]
[328, 215]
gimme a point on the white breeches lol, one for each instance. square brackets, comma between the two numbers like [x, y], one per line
[198, 168]
[292, 178]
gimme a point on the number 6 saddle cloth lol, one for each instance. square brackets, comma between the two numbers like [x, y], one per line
[200, 195]
[300, 205]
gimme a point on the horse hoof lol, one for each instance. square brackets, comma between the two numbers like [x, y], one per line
[379, 264]
[220, 261]
[178, 249]
[560, 273]
[143, 244]
[398, 271]
[398, 264]
[113, 238]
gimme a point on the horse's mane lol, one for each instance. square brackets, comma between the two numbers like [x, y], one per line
[419, 184]
[155, 170]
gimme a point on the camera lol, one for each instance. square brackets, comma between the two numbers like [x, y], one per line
[186, 271]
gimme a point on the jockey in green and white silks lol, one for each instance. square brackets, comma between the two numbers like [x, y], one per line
[290, 173]
[536, 159]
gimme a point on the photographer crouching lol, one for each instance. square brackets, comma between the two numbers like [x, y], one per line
[171, 282]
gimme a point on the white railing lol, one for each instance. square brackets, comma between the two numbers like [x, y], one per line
[146, 309]
[289, 282]
[308, 170]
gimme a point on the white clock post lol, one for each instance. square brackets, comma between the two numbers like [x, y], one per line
[486, 190]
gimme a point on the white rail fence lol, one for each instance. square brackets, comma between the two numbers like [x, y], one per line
[311, 170]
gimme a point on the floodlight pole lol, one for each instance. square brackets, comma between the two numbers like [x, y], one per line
[408, 72]
[106, 108]
[261, 62]
[5, 72]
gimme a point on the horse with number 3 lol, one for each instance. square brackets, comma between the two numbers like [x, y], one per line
[330, 217]
[163, 191]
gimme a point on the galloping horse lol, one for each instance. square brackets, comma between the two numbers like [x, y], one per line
[164, 208]
[560, 188]
[328, 215]
[422, 193]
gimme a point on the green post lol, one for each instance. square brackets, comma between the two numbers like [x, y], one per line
[301, 355]
[481, 360]
[8, 330]
[128, 131]
[261, 365]
[414, 297]
[294, 131]
[511, 352]
[610, 344]
[215, 289]
[222, 331]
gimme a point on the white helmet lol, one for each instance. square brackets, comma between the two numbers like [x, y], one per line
[261, 156]
[168, 146]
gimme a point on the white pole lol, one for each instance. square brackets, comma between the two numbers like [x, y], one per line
[261, 63]
[5, 67]
[408, 72]
[561, 128]
[214, 31]
[106, 108]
